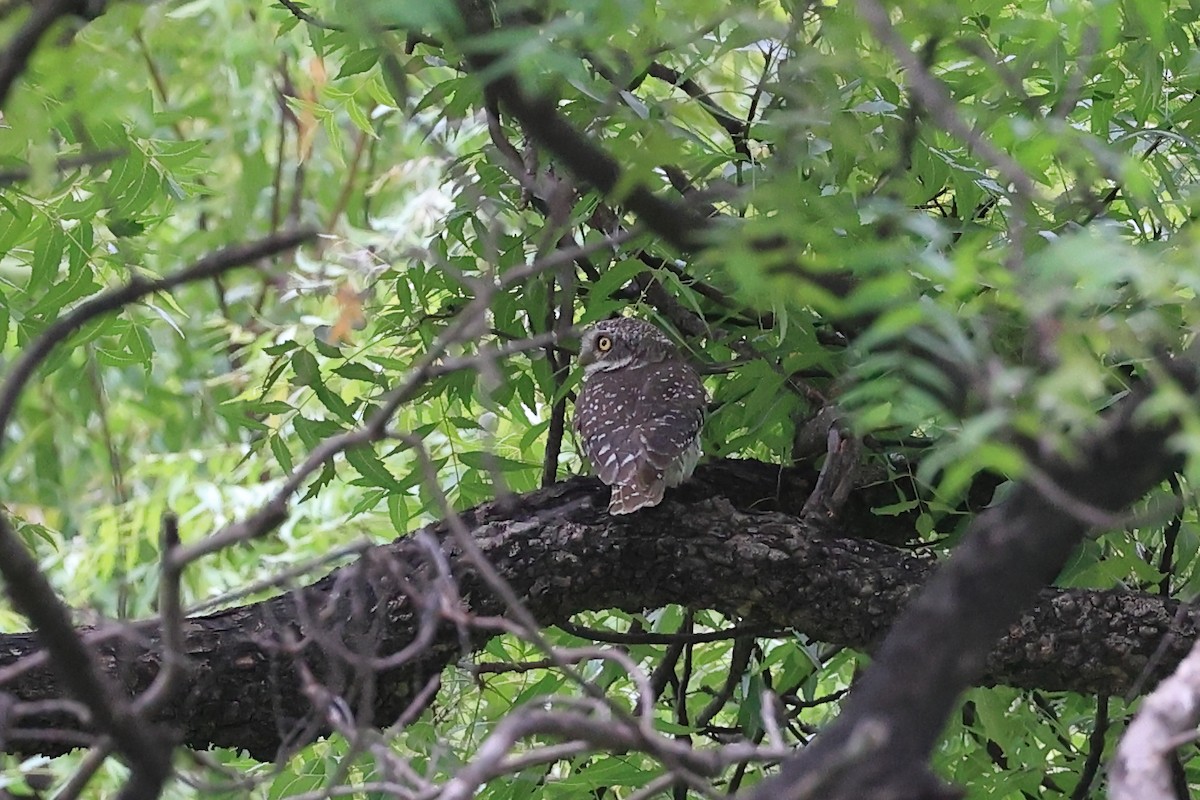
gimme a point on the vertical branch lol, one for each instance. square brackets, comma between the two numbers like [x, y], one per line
[120, 495]
[1170, 535]
[559, 318]
[170, 614]
[558, 412]
[285, 116]
[680, 789]
[1095, 751]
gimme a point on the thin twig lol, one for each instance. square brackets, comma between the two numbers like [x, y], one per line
[1170, 535]
[114, 299]
[282, 577]
[351, 175]
[87, 769]
[737, 129]
[63, 164]
[1091, 766]
[25, 40]
[274, 511]
[739, 660]
[170, 613]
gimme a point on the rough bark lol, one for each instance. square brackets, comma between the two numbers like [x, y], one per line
[724, 541]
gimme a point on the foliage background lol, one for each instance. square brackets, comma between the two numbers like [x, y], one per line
[984, 319]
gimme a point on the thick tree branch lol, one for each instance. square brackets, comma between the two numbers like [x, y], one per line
[727, 540]
[895, 715]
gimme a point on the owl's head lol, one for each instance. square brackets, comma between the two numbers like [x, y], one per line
[615, 343]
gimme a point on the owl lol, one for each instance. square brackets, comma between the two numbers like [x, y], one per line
[639, 413]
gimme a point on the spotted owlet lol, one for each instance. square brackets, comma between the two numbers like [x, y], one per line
[640, 411]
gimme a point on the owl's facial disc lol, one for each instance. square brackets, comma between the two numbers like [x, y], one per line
[587, 348]
[599, 352]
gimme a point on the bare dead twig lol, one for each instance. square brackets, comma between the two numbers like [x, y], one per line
[501, 667]
[87, 769]
[595, 733]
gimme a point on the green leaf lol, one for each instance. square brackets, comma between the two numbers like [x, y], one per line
[13, 222]
[282, 454]
[478, 459]
[47, 256]
[359, 372]
[358, 61]
[323, 479]
[304, 364]
[368, 464]
[123, 227]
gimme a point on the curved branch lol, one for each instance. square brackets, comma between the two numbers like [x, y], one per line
[727, 540]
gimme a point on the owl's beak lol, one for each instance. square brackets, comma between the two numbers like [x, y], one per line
[587, 356]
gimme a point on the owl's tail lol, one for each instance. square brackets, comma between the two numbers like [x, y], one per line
[629, 497]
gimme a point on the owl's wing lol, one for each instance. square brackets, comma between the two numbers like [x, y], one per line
[604, 418]
[635, 423]
[671, 413]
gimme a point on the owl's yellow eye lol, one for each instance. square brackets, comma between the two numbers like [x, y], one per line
[604, 344]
